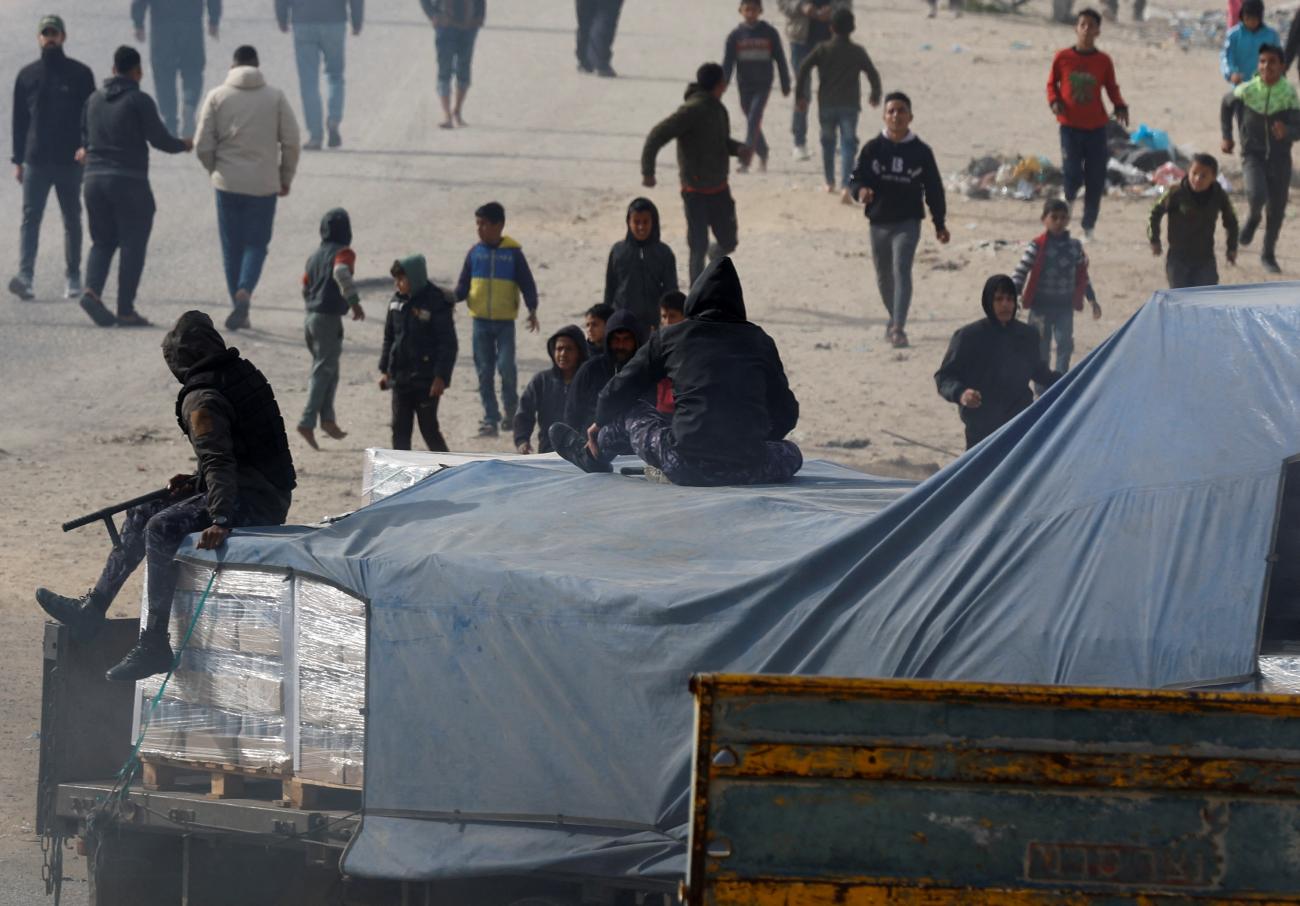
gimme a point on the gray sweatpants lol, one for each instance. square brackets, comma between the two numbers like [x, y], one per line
[893, 246]
[325, 341]
[1267, 182]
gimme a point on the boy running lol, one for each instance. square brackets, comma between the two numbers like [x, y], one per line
[753, 48]
[1193, 207]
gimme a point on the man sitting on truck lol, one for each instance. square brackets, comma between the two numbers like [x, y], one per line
[245, 477]
[733, 405]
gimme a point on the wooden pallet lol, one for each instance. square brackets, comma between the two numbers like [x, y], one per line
[229, 781]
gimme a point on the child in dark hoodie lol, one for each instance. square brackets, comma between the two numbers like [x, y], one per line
[542, 402]
[641, 268]
[990, 362]
[329, 292]
[418, 354]
[1194, 206]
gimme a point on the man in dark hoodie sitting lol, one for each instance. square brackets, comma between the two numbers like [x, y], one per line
[227, 411]
[624, 335]
[702, 129]
[990, 363]
[118, 124]
[641, 268]
[733, 403]
[542, 402]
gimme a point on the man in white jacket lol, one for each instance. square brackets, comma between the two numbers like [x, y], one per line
[248, 140]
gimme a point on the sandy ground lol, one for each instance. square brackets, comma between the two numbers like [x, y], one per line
[87, 414]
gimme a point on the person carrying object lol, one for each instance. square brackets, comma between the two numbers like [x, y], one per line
[227, 411]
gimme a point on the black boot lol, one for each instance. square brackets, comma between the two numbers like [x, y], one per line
[573, 446]
[82, 615]
[152, 654]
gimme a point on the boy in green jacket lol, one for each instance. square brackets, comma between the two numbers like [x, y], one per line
[1193, 207]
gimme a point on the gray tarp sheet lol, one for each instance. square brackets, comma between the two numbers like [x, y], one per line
[533, 628]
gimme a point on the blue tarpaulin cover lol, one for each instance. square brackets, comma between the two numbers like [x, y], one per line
[533, 628]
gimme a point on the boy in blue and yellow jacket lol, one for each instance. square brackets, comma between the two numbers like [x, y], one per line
[495, 275]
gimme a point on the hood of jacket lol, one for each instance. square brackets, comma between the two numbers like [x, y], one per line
[246, 77]
[574, 333]
[697, 93]
[991, 286]
[193, 341]
[416, 271]
[717, 295]
[336, 226]
[644, 204]
[623, 320]
[119, 86]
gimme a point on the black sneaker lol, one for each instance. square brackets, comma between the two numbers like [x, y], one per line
[508, 422]
[606, 72]
[97, 311]
[1270, 264]
[81, 615]
[22, 289]
[238, 318]
[1248, 232]
[335, 139]
[150, 656]
[572, 446]
[487, 429]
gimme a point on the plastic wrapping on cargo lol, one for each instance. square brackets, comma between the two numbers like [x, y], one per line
[389, 471]
[1279, 673]
[330, 628]
[226, 701]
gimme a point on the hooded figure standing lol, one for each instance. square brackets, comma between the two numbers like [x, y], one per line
[176, 49]
[624, 335]
[248, 141]
[227, 411]
[641, 268]
[542, 402]
[990, 363]
[733, 407]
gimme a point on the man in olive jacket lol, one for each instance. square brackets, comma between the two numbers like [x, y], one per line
[702, 129]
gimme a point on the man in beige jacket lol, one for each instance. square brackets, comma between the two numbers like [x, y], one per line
[248, 140]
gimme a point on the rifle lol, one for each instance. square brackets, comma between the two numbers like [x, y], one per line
[108, 512]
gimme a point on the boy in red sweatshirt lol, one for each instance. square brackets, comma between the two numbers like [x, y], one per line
[1074, 87]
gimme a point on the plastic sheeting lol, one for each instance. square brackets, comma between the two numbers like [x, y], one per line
[533, 628]
[388, 471]
[330, 653]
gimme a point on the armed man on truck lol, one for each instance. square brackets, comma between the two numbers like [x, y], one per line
[227, 410]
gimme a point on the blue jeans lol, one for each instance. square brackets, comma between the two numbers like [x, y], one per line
[177, 52]
[38, 179]
[799, 119]
[845, 120]
[494, 351]
[1084, 157]
[455, 47]
[244, 222]
[1055, 323]
[754, 103]
[313, 42]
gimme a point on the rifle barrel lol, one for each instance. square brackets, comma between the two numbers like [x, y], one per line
[109, 511]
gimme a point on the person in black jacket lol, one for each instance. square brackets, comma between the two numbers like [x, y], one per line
[48, 97]
[733, 406]
[118, 125]
[245, 476]
[641, 268]
[623, 337]
[896, 177]
[419, 353]
[542, 402]
[990, 363]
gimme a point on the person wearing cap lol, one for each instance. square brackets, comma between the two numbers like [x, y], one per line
[176, 50]
[48, 96]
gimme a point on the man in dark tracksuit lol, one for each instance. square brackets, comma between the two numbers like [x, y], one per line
[176, 50]
[227, 411]
[990, 362]
[542, 402]
[597, 25]
[624, 335]
[48, 97]
[418, 354]
[733, 403]
[118, 125]
[702, 129]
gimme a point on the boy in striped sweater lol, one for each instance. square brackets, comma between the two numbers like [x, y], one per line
[1052, 279]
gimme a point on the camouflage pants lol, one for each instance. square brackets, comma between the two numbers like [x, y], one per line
[154, 531]
[649, 434]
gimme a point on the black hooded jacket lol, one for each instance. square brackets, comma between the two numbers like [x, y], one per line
[48, 97]
[730, 386]
[420, 333]
[542, 402]
[580, 407]
[118, 124]
[639, 273]
[320, 290]
[999, 360]
[228, 411]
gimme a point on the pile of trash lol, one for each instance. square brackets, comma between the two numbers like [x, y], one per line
[1008, 176]
[1208, 28]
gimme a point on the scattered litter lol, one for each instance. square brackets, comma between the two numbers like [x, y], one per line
[948, 266]
[1021, 45]
[853, 443]
[1169, 174]
[1007, 176]
[821, 346]
[1210, 27]
[957, 48]
[1147, 137]
[993, 246]
[925, 47]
